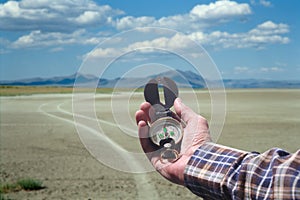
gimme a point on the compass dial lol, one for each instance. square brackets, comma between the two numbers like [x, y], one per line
[165, 128]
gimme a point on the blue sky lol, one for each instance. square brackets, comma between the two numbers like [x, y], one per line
[246, 39]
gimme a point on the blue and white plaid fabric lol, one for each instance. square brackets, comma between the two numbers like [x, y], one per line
[219, 172]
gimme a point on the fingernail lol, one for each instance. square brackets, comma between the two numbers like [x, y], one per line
[179, 100]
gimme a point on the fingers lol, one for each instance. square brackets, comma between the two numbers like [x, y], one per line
[145, 106]
[142, 117]
[143, 113]
[143, 130]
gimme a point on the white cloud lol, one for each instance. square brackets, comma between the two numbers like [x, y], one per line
[264, 34]
[238, 70]
[54, 15]
[264, 3]
[87, 17]
[199, 17]
[220, 10]
[53, 22]
[269, 27]
[176, 42]
[57, 49]
[131, 22]
[105, 53]
[271, 69]
[41, 39]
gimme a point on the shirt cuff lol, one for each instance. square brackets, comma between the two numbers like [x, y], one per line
[206, 169]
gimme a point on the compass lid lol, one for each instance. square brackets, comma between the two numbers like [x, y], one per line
[151, 94]
[170, 89]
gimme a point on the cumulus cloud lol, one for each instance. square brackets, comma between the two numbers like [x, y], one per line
[131, 22]
[68, 15]
[199, 17]
[220, 10]
[271, 69]
[106, 53]
[270, 27]
[264, 3]
[41, 39]
[54, 15]
[159, 44]
[178, 41]
[54, 23]
[264, 34]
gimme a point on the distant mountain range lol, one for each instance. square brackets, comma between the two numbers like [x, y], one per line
[182, 78]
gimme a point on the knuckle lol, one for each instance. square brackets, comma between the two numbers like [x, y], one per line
[201, 120]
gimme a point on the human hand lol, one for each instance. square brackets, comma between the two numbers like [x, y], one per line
[196, 132]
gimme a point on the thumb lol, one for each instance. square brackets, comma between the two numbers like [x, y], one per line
[183, 111]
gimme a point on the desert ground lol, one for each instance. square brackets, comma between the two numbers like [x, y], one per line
[39, 140]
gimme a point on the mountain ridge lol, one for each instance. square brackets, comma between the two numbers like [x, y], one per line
[184, 79]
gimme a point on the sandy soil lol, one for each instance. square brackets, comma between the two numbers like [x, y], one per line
[38, 141]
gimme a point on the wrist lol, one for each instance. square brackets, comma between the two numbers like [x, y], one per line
[181, 164]
[178, 173]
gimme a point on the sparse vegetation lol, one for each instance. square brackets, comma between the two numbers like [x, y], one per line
[23, 184]
[4, 198]
[30, 184]
[6, 90]
[9, 187]
[29, 90]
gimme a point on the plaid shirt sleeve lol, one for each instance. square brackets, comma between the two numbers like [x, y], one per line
[219, 172]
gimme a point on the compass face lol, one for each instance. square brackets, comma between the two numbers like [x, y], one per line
[165, 128]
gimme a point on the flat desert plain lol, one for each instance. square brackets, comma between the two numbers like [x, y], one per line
[39, 140]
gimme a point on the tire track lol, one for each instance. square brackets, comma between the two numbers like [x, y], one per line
[145, 190]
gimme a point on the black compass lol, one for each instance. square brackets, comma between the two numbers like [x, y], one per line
[166, 128]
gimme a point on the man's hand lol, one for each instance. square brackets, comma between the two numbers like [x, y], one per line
[196, 133]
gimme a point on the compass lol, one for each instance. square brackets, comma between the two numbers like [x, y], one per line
[166, 128]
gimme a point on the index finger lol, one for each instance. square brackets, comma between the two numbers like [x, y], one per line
[145, 106]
